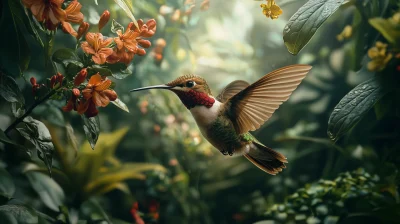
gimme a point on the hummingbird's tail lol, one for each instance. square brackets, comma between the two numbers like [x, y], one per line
[266, 158]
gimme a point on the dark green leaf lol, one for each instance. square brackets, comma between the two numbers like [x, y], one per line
[91, 126]
[49, 191]
[115, 26]
[63, 54]
[7, 187]
[18, 214]
[354, 106]
[31, 26]
[4, 139]
[15, 53]
[122, 74]
[9, 90]
[98, 69]
[306, 21]
[72, 67]
[51, 114]
[38, 134]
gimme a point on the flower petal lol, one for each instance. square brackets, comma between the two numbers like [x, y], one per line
[111, 94]
[98, 59]
[67, 27]
[95, 79]
[87, 48]
[87, 93]
[82, 106]
[103, 85]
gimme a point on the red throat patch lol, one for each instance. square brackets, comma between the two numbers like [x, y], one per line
[193, 98]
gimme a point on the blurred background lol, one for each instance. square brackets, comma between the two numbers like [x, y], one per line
[188, 181]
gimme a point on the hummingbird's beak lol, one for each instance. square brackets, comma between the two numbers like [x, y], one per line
[152, 87]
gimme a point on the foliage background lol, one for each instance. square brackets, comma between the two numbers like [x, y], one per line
[156, 156]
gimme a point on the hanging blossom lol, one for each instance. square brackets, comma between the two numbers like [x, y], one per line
[271, 9]
[51, 14]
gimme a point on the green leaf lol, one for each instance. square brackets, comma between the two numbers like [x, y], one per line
[7, 187]
[48, 190]
[72, 67]
[38, 134]
[4, 139]
[98, 69]
[127, 6]
[18, 214]
[9, 90]
[122, 173]
[63, 54]
[351, 109]
[120, 104]
[389, 29]
[306, 21]
[17, 109]
[15, 53]
[122, 74]
[91, 126]
[115, 26]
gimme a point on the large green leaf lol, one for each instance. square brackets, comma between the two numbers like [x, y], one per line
[91, 127]
[48, 190]
[9, 89]
[7, 187]
[122, 173]
[15, 52]
[351, 109]
[18, 214]
[306, 21]
[38, 134]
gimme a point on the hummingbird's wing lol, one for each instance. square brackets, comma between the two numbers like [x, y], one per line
[254, 105]
[232, 89]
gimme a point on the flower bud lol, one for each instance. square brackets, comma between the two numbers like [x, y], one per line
[80, 77]
[111, 94]
[83, 28]
[161, 42]
[76, 92]
[59, 78]
[52, 81]
[140, 51]
[33, 81]
[144, 43]
[104, 19]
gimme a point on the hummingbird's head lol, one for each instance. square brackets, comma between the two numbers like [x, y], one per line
[191, 89]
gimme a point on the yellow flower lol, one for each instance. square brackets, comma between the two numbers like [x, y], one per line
[379, 57]
[345, 34]
[271, 9]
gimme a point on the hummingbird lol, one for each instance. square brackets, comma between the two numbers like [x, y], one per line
[226, 120]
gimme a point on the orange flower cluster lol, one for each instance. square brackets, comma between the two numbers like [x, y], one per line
[50, 13]
[158, 50]
[96, 93]
[127, 44]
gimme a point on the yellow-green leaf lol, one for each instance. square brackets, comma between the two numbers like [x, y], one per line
[128, 8]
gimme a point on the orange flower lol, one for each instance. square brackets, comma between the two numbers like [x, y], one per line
[73, 15]
[104, 19]
[48, 11]
[96, 93]
[97, 46]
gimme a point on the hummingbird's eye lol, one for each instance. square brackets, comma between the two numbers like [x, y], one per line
[190, 84]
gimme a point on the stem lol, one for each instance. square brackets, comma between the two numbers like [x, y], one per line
[18, 120]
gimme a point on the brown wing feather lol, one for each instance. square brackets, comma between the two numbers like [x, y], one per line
[254, 105]
[232, 89]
